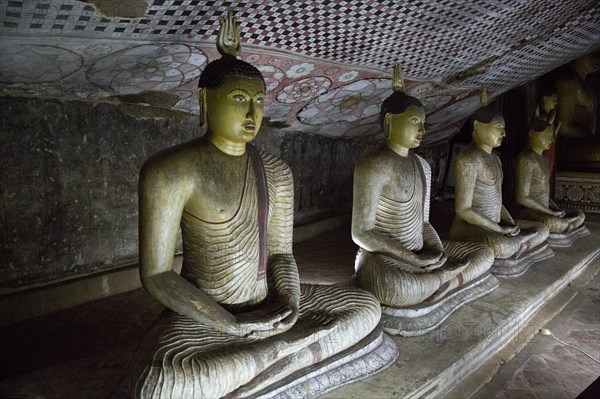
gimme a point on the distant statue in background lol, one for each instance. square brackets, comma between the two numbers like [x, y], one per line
[401, 259]
[578, 144]
[532, 193]
[238, 320]
[480, 214]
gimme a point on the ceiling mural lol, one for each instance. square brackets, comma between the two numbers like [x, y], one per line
[327, 64]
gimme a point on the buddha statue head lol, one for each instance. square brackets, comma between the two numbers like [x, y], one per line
[402, 117]
[548, 100]
[586, 64]
[231, 93]
[541, 135]
[488, 126]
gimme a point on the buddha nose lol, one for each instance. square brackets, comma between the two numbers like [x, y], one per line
[251, 109]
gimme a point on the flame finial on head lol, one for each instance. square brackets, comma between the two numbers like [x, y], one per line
[228, 37]
[397, 79]
[483, 99]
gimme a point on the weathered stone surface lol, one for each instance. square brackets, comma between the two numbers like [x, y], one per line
[69, 172]
[567, 239]
[516, 266]
[427, 316]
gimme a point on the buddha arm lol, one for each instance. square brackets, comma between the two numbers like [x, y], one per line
[368, 185]
[161, 202]
[281, 269]
[525, 172]
[431, 239]
[466, 177]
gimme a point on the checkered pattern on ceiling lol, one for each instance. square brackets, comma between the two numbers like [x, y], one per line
[432, 38]
[325, 53]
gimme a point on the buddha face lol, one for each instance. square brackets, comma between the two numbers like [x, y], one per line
[542, 140]
[406, 129]
[234, 111]
[490, 134]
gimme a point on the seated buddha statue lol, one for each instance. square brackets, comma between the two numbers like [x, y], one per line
[480, 214]
[237, 319]
[532, 193]
[401, 259]
[578, 142]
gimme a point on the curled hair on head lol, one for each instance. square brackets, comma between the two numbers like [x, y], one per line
[397, 103]
[547, 91]
[538, 125]
[216, 72]
[485, 115]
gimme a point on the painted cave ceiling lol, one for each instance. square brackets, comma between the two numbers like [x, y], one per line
[327, 64]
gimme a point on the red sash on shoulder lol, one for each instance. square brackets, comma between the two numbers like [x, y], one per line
[262, 195]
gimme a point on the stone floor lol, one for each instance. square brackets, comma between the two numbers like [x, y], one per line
[547, 368]
[83, 352]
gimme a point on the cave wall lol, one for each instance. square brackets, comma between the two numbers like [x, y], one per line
[68, 181]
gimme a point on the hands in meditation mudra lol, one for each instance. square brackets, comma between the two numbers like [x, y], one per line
[237, 318]
[532, 194]
[401, 259]
[480, 214]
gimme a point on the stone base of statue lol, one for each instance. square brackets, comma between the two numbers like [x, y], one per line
[567, 239]
[371, 355]
[419, 319]
[518, 264]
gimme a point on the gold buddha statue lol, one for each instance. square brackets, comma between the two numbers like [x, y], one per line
[532, 193]
[480, 214]
[238, 321]
[401, 259]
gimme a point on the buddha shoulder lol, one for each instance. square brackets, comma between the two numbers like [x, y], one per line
[176, 164]
[375, 161]
[473, 155]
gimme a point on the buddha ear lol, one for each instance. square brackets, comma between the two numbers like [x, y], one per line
[476, 125]
[386, 125]
[477, 128]
[202, 103]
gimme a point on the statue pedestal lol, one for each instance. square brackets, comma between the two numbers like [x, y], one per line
[425, 317]
[373, 354]
[484, 332]
[567, 239]
[516, 266]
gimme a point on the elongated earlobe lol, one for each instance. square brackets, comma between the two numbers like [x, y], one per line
[202, 103]
[386, 126]
[475, 129]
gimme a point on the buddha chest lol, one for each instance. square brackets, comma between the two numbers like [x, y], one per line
[404, 181]
[489, 170]
[218, 190]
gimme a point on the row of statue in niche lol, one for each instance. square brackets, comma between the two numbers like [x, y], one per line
[238, 322]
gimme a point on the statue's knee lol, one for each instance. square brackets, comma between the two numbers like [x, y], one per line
[543, 233]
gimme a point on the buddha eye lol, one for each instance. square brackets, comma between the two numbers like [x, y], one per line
[239, 98]
[259, 100]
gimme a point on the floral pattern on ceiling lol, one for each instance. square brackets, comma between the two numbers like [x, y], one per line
[327, 67]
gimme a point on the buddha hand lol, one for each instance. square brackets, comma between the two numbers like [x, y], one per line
[510, 230]
[265, 323]
[559, 213]
[431, 258]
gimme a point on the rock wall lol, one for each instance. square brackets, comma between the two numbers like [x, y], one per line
[68, 181]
